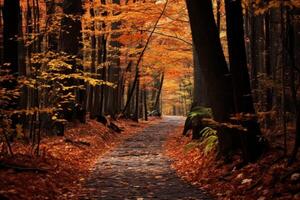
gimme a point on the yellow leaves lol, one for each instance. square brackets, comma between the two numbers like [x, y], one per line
[30, 83]
[54, 117]
[58, 65]
[19, 130]
[33, 110]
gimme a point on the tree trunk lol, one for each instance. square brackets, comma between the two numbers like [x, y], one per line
[52, 37]
[137, 96]
[114, 70]
[200, 97]
[211, 58]
[145, 105]
[291, 33]
[241, 82]
[71, 28]
[157, 100]
[11, 33]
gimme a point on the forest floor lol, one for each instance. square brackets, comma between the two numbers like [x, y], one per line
[269, 178]
[64, 162]
[143, 162]
[138, 169]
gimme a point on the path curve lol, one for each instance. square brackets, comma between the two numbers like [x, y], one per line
[137, 169]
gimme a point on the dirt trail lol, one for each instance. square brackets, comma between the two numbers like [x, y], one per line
[137, 169]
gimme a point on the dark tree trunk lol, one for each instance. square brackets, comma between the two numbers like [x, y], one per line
[253, 49]
[211, 58]
[11, 32]
[71, 44]
[137, 96]
[114, 70]
[269, 91]
[243, 102]
[237, 57]
[291, 41]
[102, 59]
[52, 36]
[157, 106]
[200, 97]
[91, 94]
[145, 104]
[71, 38]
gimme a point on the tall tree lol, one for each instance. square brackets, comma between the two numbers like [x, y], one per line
[200, 97]
[157, 106]
[52, 36]
[211, 58]
[11, 30]
[114, 70]
[71, 43]
[11, 33]
[216, 74]
[71, 38]
[243, 102]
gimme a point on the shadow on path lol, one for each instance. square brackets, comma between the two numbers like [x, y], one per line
[138, 170]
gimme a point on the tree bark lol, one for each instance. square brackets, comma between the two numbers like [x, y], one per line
[114, 70]
[243, 102]
[71, 28]
[211, 58]
[11, 32]
[200, 97]
[157, 100]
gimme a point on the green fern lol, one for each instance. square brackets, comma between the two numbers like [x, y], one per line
[207, 131]
[209, 139]
[200, 111]
[210, 143]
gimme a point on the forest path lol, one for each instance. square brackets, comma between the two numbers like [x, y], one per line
[137, 169]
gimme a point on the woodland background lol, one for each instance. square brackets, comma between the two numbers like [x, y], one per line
[68, 61]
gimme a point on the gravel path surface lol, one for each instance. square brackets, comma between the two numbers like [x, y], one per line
[137, 169]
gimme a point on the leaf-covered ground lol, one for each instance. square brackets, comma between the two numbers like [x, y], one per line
[64, 164]
[269, 178]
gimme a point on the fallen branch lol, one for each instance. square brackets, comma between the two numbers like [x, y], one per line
[114, 127]
[19, 168]
[77, 143]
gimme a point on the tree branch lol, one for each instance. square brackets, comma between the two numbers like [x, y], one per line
[141, 56]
